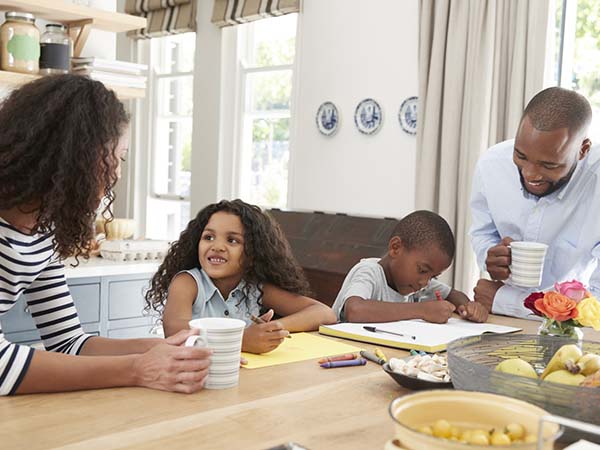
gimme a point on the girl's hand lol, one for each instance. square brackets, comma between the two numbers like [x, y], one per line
[264, 337]
[171, 367]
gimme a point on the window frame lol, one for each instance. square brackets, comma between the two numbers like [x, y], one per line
[242, 111]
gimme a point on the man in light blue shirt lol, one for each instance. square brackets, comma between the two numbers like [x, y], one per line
[544, 186]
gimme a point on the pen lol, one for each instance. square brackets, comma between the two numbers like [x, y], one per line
[380, 354]
[346, 357]
[379, 330]
[438, 296]
[372, 357]
[258, 321]
[352, 362]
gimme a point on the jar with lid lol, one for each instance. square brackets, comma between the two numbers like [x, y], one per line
[20, 41]
[55, 50]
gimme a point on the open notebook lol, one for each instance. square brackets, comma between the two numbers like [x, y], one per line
[429, 337]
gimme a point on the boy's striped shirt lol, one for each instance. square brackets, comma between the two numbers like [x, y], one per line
[29, 267]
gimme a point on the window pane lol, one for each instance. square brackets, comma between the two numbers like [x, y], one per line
[586, 70]
[176, 53]
[166, 219]
[175, 96]
[269, 90]
[265, 165]
[172, 158]
[273, 41]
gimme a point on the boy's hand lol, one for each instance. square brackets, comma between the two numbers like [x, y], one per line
[264, 337]
[498, 260]
[437, 311]
[473, 311]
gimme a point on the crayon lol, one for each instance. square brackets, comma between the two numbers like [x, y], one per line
[346, 357]
[380, 354]
[352, 362]
[372, 357]
[438, 296]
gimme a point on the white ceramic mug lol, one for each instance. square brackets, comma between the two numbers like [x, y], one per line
[224, 338]
[197, 340]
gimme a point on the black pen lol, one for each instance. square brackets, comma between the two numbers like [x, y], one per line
[379, 330]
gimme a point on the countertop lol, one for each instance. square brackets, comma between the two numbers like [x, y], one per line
[97, 266]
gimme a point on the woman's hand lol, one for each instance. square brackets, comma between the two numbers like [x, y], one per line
[171, 367]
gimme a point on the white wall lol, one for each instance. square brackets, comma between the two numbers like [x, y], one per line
[349, 50]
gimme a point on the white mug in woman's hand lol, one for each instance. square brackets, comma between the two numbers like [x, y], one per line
[197, 340]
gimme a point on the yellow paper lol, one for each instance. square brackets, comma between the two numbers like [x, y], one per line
[301, 347]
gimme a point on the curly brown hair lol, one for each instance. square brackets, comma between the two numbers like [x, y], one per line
[57, 155]
[267, 254]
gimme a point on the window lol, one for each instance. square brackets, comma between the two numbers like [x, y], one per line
[171, 72]
[577, 54]
[266, 50]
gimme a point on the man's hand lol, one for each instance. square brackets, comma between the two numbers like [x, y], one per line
[473, 311]
[485, 291]
[498, 260]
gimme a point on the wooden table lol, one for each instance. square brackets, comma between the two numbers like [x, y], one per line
[344, 408]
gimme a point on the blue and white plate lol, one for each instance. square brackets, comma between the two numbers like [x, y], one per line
[328, 119]
[368, 116]
[407, 116]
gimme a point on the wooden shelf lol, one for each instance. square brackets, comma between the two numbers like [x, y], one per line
[15, 79]
[68, 13]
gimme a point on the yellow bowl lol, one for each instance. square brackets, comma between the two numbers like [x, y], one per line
[466, 410]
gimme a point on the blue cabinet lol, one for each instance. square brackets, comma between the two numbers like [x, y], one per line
[111, 306]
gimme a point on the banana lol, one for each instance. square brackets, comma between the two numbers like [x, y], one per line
[588, 364]
[516, 366]
[564, 358]
[565, 377]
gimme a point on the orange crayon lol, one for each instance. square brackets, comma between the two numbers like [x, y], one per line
[346, 357]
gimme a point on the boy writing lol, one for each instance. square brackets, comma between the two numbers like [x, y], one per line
[402, 284]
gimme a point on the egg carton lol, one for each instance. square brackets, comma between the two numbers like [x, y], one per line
[131, 250]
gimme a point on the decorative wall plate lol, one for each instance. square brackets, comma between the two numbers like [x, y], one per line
[328, 118]
[407, 116]
[368, 116]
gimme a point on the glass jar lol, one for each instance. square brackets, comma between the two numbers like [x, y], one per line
[550, 327]
[55, 50]
[20, 40]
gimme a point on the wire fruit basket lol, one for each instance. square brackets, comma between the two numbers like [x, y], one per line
[472, 360]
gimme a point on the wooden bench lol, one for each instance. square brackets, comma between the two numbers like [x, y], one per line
[327, 246]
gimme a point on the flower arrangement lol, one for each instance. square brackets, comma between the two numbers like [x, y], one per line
[565, 308]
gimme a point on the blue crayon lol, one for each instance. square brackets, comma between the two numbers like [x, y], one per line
[352, 362]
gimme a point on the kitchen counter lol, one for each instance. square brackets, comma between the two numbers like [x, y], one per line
[99, 267]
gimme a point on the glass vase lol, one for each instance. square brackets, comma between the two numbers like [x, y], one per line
[551, 327]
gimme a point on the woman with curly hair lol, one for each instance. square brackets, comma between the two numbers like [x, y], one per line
[62, 140]
[233, 260]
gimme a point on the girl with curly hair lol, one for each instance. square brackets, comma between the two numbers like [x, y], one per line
[62, 140]
[233, 260]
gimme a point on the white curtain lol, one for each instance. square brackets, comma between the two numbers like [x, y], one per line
[480, 61]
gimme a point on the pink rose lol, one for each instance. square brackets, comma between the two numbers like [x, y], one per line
[573, 289]
[530, 302]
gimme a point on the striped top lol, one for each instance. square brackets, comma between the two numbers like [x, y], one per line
[29, 267]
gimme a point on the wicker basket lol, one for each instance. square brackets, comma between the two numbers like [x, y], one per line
[472, 360]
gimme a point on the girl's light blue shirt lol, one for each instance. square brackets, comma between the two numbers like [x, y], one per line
[210, 303]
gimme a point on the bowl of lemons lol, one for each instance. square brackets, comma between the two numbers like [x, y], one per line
[461, 420]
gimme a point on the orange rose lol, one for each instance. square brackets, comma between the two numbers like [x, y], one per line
[557, 306]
